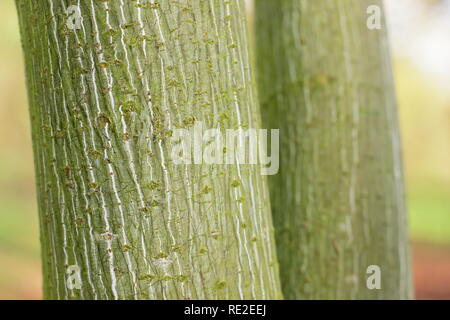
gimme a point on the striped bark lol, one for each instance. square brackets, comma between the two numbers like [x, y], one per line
[325, 80]
[104, 100]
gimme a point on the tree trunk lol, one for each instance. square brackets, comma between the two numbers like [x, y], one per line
[325, 80]
[118, 218]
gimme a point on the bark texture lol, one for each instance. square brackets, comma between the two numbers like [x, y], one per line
[325, 80]
[103, 101]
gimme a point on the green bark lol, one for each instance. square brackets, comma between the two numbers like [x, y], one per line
[103, 101]
[338, 202]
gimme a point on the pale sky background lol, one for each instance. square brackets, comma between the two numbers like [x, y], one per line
[423, 38]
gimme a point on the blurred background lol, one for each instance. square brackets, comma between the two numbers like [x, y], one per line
[420, 36]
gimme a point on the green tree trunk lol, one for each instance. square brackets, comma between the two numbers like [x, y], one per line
[325, 80]
[113, 207]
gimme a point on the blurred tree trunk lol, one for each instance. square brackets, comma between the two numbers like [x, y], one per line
[113, 207]
[325, 80]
